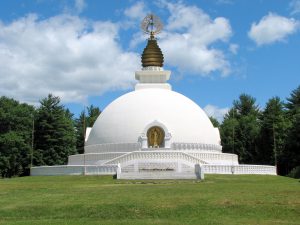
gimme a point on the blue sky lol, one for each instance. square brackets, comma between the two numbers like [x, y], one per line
[87, 51]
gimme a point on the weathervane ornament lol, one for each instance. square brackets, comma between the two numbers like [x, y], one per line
[152, 25]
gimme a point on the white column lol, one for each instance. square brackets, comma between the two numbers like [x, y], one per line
[144, 141]
[168, 140]
[119, 171]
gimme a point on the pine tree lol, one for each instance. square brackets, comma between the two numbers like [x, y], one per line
[214, 121]
[293, 140]
[82, 123]
[55, 136]
[274, 130]
[228, 132]
[293, 102]
[240, 129]
[93, 113]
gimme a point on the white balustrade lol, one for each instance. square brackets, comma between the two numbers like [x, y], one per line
[196, 146]
[129, 147]
[155, 155]
[212, 158]
[92, 158]
[73, 170]
[239, 169]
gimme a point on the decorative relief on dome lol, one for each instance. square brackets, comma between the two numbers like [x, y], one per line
[156, 137]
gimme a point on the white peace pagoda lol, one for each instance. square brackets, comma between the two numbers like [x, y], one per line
[153, 132]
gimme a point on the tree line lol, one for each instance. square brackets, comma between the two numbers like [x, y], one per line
[47, 135]
[270, 136]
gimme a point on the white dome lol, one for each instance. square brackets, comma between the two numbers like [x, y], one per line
[125, 119]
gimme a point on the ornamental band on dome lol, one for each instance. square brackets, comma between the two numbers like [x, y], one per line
[153, 132]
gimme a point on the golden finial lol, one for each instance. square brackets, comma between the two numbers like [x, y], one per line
[151, 24]
[152, 55]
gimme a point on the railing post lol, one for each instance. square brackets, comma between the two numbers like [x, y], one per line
[199, 172]
[119, 171]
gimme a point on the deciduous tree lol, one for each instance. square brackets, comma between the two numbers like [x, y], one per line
[15, 137]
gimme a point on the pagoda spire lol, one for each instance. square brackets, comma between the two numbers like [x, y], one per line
[152, 55]
[152, 74]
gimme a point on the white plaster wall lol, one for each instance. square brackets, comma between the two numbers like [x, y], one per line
[125, 118]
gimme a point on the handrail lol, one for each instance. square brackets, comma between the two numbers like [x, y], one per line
[155, 155]
[129, 147]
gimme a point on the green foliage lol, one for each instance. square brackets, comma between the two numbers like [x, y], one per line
[93, 113]
[56, 134]
[295, 173]
[268, 137]
[273, 136]
[80, 126]
[219, 199]
[55, 137]
[15, 154]
[228, 131]
[293, 102]
[214, 121]
[82, 123]
[291, 156]
[240, 129]
[245, 106]
[15, 137]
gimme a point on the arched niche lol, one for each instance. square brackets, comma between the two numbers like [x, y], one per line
[156, 137]
[161, 131]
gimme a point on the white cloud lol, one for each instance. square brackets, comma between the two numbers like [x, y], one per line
[272, 28]
[74, 9]
[233, 48]
[64, 55]
[295, 7]
[75, 58]
[188, 37]
[80, 5]
[216, 112]
[136, 11]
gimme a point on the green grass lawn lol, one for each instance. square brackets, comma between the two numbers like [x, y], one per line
[219, 199]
